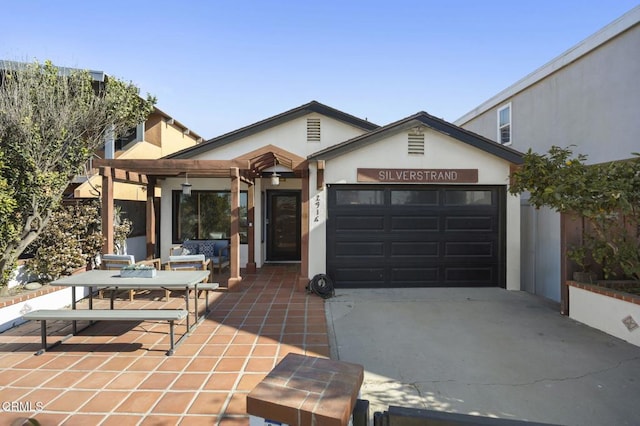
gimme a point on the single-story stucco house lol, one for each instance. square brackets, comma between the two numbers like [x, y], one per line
[416, 203]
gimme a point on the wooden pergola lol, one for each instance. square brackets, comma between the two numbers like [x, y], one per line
[244, 169]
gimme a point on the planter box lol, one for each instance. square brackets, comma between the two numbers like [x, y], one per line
[613, 312]
[13, 307]
[138, 273]
[48, 297]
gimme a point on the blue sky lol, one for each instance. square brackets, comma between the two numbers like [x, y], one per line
[216, 65]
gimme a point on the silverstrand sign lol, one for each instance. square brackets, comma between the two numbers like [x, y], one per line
[419, 175]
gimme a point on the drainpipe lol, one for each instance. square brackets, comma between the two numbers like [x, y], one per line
[109, 144]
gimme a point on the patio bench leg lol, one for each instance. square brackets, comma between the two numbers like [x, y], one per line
[43, 336]
[170, 351]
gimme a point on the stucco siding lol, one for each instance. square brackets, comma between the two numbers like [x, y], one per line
[317, 224]
[604, 313]
[218, 184]
[290, 136]
[592, 103]
[590, 99]
[440, 152]
[173, 139]
[152, 129]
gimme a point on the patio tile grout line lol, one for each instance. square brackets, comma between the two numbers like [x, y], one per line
[130, 392]
[209, 374]
[229, 344]
[274, 291]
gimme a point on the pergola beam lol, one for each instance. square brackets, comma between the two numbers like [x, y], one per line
[172, 168]
[242, 169]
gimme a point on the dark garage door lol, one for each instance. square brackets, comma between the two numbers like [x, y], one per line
[426, 236]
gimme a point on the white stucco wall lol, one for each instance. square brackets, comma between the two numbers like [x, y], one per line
[441, 152]
[588, 97]
[604, 313]
[317, 224]
[290, 136]
[11, 316]
[219, 184]
[591, 103]
[166, 221]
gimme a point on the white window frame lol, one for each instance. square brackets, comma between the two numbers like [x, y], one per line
[510, 124]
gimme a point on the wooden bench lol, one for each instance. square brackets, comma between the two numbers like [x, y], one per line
[43, 315]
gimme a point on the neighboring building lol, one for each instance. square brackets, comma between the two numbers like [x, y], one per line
[416, 203]
[588, 97]
[160, 135]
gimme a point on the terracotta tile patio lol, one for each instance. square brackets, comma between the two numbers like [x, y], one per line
[118, 374]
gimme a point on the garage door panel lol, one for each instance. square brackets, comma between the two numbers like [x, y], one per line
[470, 223]
[415, 275]
[360, 223]
[360, 249]
[416, 236]
[469, 249]
[415, 223]
[415, 249]
[354, 275]
[469, 274]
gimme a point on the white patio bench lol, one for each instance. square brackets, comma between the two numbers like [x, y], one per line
[207, 287]
[43, 315]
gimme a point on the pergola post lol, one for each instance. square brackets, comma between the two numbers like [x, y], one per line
[234, 262]
[303, 279]
[151, 218]
[251, 236]
[107, 210]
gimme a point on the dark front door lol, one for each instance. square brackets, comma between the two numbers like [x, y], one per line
[283, 228]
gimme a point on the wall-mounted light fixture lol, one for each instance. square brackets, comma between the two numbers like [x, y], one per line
[275, 177]
[186, 186]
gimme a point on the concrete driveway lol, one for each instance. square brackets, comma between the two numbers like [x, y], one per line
[487, 352]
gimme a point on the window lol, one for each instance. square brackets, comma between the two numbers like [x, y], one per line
[468, 198]
[504, 124]
[359, 197]
[136, 212]
[133, 134]
[206, 215]
[313, 130]
[414, 197]
[125, 139]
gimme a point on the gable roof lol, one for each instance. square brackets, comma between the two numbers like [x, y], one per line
[170, 120]
[591, 43]
[270, 122]
[421, 119]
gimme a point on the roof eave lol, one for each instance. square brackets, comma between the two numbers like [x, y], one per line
[270, 122]
[614, 29]
[424, 119]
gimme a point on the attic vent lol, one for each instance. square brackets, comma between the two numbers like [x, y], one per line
[313, 130]
[416, 143]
